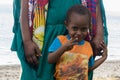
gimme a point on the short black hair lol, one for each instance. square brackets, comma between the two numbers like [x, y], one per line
[80, 9]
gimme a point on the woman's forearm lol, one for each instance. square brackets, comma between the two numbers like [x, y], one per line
[24, 21]
[99, 20]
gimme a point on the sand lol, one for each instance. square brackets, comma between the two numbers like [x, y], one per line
[109, 70]
[10, 72]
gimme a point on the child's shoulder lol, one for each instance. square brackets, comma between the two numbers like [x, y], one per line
[87, 43]
[61, 37]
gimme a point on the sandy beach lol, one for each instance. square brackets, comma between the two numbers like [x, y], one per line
[109, 70]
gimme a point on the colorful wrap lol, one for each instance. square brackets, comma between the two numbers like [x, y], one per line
[37, 18]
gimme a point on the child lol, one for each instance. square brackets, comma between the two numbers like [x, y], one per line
[71, 53]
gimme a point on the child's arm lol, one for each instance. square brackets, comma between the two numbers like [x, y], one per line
[99, 61]
[30, 48]
[54, 56]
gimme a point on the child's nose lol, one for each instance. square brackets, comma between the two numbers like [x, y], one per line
[78, 32]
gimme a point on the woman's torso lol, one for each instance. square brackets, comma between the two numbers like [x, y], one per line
[57, 10]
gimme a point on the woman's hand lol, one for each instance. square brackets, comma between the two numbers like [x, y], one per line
[104, 50]
[32, 53]
[96, 45]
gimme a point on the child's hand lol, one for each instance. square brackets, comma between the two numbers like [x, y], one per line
[69, 45]
[99, 61]
[104, 49]
[32, 53]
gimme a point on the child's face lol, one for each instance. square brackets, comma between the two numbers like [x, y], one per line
[78, 26]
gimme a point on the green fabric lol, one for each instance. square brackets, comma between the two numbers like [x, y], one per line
[54, 26]
[16, 14]
[104, 22]
[90, 75]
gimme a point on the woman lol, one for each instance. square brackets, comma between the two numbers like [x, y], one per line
[28, 51]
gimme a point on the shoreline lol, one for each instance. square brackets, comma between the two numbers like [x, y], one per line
[109, 70]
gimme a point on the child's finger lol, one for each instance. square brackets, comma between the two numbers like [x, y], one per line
[73, 39]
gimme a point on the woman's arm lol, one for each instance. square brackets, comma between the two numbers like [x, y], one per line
[30, 48]
[99, 32]
[99, 20]
[24, 21]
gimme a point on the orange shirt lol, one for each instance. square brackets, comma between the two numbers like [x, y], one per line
[73, 64]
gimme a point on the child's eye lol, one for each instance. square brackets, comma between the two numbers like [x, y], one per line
[75, 28]
[84, 29]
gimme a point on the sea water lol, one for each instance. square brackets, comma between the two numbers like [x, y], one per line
[6, 35]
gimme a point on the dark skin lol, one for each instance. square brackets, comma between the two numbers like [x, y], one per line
[31, 50]
[77, 28]
[99, 61]
[99, 33]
